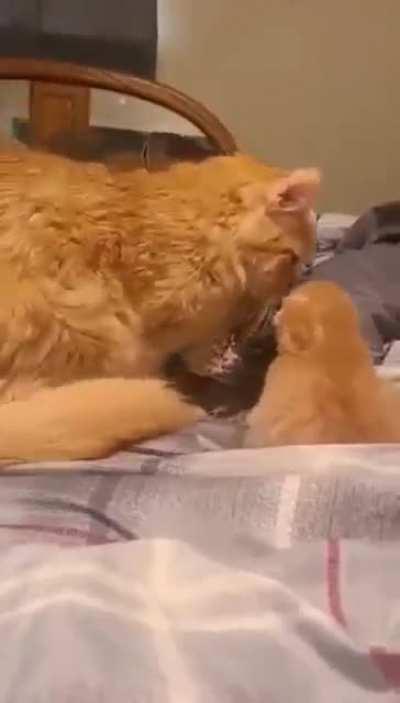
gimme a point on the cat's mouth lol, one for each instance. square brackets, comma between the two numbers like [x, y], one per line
[263, 323]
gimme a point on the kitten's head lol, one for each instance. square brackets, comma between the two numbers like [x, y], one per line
[315, 317]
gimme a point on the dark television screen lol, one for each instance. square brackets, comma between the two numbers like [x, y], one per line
[113, 34]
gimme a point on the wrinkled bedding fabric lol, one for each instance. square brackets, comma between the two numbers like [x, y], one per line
[179, 572]
[363, 257]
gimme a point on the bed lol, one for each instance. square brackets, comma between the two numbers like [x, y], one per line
[186, 569]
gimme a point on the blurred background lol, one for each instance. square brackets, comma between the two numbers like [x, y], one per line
[298, 82]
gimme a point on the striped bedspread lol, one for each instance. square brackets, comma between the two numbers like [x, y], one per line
[177, 575]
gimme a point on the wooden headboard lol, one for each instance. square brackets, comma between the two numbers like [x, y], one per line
[60, 101]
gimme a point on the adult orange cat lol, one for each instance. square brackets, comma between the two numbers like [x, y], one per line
[322, 387]
[104, 275]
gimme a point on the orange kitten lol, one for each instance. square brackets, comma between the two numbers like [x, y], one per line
[322, 387]
[105, 275]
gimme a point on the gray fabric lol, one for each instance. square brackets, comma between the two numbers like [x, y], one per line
[289, 494]
[371, 276]
[367, 265]
[160, 621]
[331, 228]
[392, 358]
[378, 224]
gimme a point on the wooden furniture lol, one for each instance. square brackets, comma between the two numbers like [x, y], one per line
[59, 86]
[57, 109]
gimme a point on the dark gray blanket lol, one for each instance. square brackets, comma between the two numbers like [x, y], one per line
[367, 264]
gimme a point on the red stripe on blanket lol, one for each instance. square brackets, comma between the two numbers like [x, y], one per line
[333, 582]
[388, 664]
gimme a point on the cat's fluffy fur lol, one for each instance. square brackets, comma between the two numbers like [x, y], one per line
[322, 387]
[103, 276]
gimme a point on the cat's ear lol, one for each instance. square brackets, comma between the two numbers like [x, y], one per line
[295, 192]
[298, 191]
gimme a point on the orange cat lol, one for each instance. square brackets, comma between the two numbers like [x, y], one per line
[104, 275]
[322, 387]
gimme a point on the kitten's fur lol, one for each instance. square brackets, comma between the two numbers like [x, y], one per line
[322, 387]
[105, 275]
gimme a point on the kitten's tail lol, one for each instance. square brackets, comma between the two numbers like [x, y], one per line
[90, 419]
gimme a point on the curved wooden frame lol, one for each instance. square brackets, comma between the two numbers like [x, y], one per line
[152, 91]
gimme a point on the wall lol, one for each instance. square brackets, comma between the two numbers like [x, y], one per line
[298, 82]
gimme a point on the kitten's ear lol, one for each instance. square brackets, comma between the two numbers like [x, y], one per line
[292, 193]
